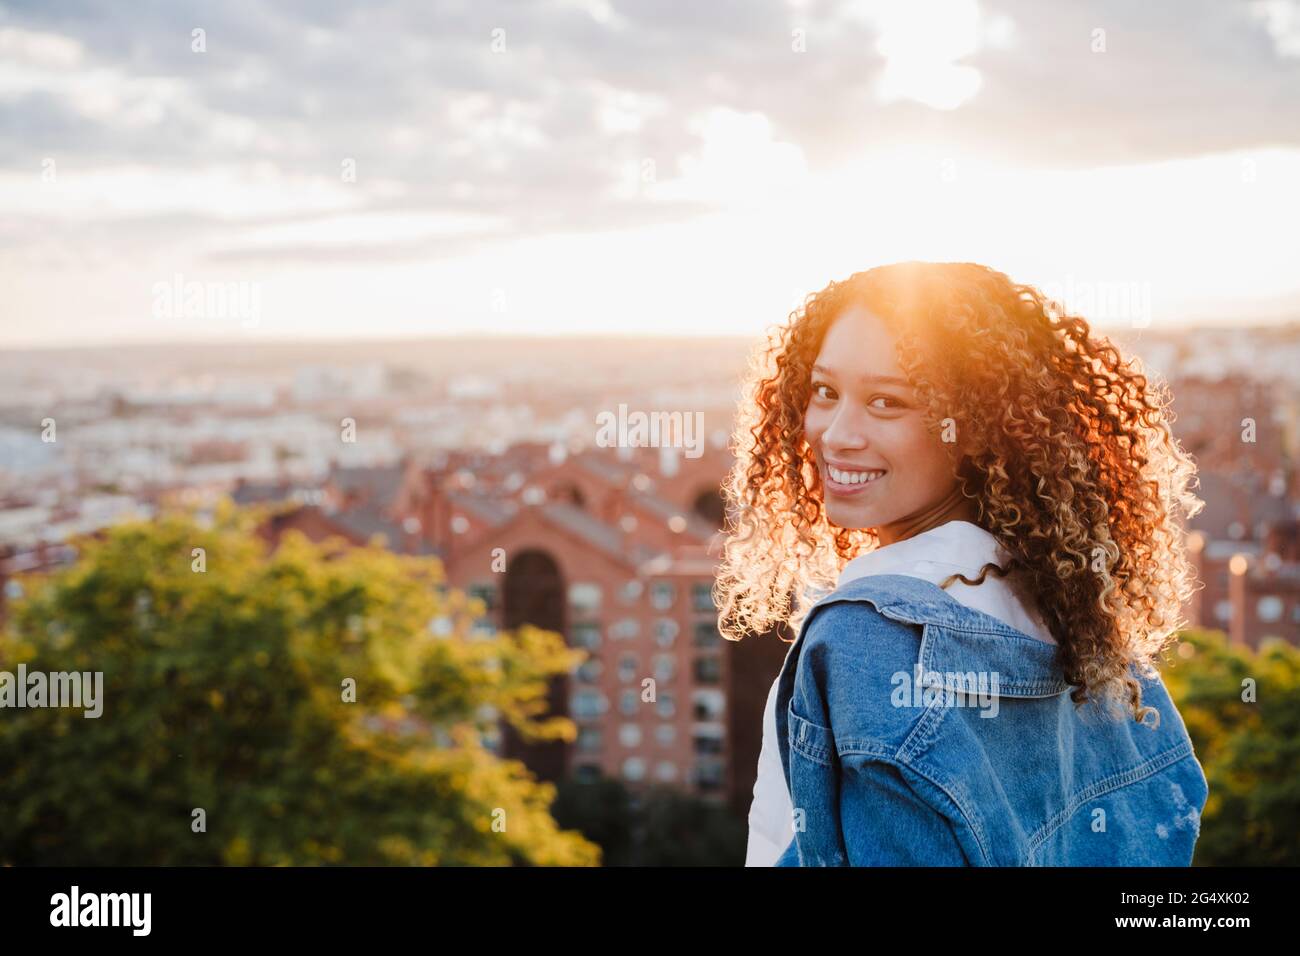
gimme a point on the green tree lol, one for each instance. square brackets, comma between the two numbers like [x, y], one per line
[225, 690]
[659, 826]
[1249, 749]
[682, 830]
[602, 810]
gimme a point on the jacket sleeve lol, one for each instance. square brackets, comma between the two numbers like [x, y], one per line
[890, 825]
[855, 809]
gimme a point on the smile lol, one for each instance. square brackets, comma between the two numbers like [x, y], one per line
[848, 481]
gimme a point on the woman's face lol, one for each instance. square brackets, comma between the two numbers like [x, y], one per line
[863, 422]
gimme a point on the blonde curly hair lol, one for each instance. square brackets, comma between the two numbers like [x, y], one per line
[1064, 445]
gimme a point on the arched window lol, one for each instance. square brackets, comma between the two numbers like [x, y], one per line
[534, 593]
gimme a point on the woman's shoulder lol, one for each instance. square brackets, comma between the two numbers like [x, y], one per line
[850, 627]
[872, 608]
[846, 640]
[851, 659]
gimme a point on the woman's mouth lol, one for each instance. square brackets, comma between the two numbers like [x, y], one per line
[843, 482]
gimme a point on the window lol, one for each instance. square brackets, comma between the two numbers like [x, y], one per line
[588, 703]
[708, 670]
[664, 667]
[627, 668]
[634, 768]
[586, 636]
[706, 634]
[1269, 608]
[625, 629]
[589, 670]
[662, 595]
[628, 701]
[666, 771]
[629, 735]
[707, 704]
[665, 631]
[589, 739]
[702, 596]
[664, 705]
[485, 592]
[665, 734]
[708, 743]
[585, 597]
[586, 773]
[708, 775]
[1222, 610]
[567, 492]
[631, 591]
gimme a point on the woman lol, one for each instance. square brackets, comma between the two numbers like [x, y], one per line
[968, 507]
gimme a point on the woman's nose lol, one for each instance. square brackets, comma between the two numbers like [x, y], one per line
[847, 429]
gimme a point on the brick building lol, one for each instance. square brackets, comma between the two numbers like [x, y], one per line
[1255, 586]
[616, 549]
[1243, 544]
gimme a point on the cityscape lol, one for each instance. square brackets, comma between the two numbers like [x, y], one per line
[487, 454]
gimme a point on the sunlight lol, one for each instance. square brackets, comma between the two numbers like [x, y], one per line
[921, 43]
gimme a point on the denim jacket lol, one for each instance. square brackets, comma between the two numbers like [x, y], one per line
[916, 731]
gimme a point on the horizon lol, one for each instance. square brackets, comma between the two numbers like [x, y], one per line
[1281, 324]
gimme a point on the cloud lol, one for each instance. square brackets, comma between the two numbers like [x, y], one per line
[1282, 18]
[532, 115]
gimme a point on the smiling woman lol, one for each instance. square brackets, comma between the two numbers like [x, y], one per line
[940, 421]
[980, 400]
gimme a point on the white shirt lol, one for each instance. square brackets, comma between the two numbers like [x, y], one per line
[932, 555]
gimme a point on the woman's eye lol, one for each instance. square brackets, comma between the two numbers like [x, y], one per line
[818, 386]
[889, 398]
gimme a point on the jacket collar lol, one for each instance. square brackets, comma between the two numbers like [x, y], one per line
[957, 640]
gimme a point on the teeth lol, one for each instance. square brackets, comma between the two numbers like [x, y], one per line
[852, 477]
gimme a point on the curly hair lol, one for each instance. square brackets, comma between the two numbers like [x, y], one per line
[1064, 445]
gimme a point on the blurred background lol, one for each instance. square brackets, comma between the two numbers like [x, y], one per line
[311, 313]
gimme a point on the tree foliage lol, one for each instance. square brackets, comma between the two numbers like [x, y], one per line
[1249, 749]
[224, 690]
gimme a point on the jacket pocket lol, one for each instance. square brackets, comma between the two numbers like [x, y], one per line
[814, 793]
[813, 741]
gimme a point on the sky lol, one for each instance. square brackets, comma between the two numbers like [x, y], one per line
[310, 169]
